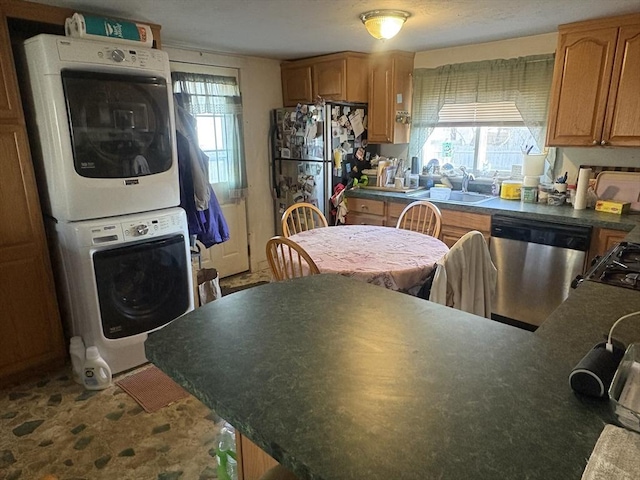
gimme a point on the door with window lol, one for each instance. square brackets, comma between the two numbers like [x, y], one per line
[215, 103]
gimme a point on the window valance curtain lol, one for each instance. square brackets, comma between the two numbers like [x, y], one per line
[524, 81]
[203, 94]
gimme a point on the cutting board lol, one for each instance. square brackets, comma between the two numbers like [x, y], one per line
[619, 186]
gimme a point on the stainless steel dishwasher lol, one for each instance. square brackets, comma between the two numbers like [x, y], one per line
[536, 263]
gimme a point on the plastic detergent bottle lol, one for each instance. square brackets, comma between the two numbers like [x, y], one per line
[97, 374]
[77, 353]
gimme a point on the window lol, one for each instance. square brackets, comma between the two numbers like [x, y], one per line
[482, 115]
[215, 103]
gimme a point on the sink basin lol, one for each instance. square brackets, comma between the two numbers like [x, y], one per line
[455, 197]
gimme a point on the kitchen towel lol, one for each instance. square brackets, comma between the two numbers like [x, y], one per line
[580, 202]
[614, 456]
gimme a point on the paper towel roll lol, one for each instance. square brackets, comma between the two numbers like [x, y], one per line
[580, 202]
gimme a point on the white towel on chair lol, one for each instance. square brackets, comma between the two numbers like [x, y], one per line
[465, 277]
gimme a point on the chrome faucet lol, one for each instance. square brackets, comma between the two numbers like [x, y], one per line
[466, 177]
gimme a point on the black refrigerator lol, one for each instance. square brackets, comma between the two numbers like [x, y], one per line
[315, 147]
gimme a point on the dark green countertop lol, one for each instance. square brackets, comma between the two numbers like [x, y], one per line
[339, 379]
[534, 211]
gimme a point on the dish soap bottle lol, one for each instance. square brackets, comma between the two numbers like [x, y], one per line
[77, 353]
[97, 374]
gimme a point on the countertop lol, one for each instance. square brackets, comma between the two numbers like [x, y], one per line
[339, 379]
[565, 214]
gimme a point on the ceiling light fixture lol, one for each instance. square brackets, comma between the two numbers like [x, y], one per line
[384, 24]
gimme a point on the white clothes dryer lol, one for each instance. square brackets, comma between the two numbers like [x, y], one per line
[121, 278]
[102, 115]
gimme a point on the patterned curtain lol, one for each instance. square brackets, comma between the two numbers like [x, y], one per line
[203, 94]
[525, 81]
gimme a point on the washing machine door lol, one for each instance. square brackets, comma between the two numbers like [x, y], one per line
[142, 287]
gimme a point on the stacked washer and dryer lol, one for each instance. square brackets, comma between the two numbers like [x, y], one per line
[103, 141]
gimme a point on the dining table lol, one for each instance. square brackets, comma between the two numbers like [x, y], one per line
[390, 257]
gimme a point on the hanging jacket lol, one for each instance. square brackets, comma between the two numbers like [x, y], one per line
[209, 225]
[186, 126]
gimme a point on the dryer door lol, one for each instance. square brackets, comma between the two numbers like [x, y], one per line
[120, 124]
[142, 287]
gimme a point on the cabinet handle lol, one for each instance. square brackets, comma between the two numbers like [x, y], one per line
[364, 207]
[603, 142]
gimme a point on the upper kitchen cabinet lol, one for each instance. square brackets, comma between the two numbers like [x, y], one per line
[390, 84]
[338, 77]
[596, 83]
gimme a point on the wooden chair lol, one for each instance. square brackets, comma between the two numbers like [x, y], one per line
[421, 216]
[287, 259]
[300, 217]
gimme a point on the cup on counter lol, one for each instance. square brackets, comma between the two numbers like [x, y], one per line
[399, 183]
[560, 187]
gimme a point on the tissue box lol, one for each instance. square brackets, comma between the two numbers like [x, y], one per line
[611, 206]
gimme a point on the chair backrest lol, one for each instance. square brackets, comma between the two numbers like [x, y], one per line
[300, 217]
[287, 259]
[421, 216]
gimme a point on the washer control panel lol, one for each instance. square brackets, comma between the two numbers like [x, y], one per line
[138, 228]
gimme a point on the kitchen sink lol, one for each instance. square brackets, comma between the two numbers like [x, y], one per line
[454, 197]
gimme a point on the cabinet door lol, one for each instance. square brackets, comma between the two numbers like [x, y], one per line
[296, 85]
[30, 328]
[330, 79]
[602, 240]
[455, 224]
[622, 123]
[9, 102]
[364, 211]
[582, 75]
[380, 101]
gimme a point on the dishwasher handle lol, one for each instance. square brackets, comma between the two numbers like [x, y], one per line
[574, 237]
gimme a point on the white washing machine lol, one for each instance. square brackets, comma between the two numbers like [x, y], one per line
[102, 127]
[122, 277]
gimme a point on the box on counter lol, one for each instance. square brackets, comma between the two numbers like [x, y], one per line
[611, 206]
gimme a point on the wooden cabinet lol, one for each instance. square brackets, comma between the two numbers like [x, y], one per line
[337, 77]
[296, 84]
[455, 224]
[30, 327]
[390, 87]
[595, 87]
[602, 240]
[253, 462]
[364, 211]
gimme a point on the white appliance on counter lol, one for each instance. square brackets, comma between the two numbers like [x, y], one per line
[102, 114]
[121, 278]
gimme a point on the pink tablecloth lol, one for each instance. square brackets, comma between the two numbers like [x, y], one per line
[386, 256]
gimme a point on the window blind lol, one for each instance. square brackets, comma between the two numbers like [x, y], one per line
[479, 114]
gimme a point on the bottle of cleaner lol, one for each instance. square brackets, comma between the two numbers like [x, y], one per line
[77, 352]
[97, 374]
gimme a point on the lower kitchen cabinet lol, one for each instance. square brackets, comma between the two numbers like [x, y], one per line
[364, 211]
[602, 240]
[455, 224]
[253, 462]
